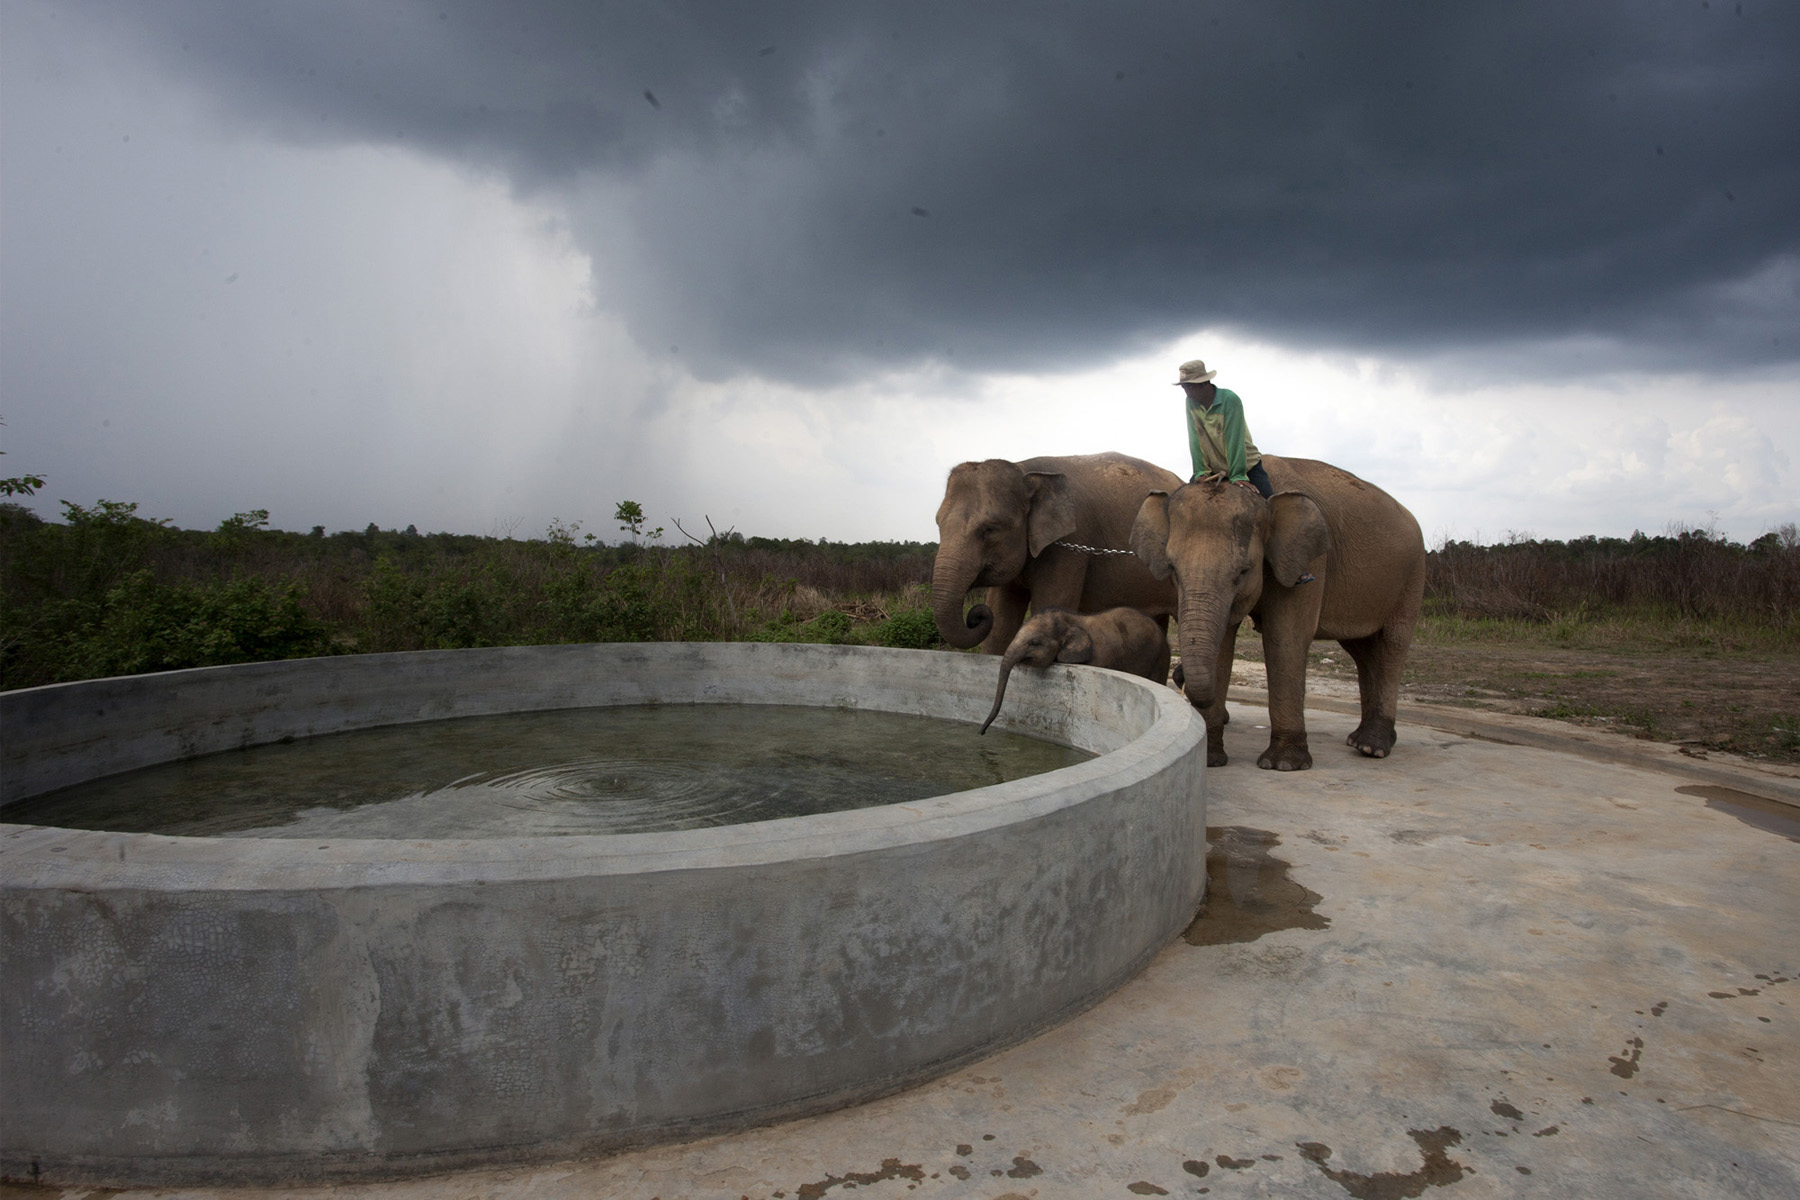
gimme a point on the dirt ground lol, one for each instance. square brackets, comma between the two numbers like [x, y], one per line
[1741, 703]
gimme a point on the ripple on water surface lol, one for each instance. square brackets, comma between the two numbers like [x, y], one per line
[571, 771]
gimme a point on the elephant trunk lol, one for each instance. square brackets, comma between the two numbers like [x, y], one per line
[1202, 631]
[952, 575]
[1007, 663]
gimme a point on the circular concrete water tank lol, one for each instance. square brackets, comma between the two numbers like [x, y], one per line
[263, 1010]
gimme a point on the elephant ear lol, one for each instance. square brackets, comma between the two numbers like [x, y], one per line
[1052, 513]
[1150, 534]
[1077, 647]
[1297, 535]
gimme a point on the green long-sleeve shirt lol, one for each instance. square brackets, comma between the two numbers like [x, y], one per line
[1218, 438]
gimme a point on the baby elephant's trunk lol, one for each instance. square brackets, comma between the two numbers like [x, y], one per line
[1006, 666]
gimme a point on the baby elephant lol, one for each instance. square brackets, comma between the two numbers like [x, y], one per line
[1121, 638]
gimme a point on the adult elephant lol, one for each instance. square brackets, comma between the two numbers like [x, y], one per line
[1007, 526]
[1235, 555]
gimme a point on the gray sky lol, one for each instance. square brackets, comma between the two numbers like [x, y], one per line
[1529, 266]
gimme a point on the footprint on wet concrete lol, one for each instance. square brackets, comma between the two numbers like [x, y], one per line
[1770, 981]
[1625, 1063]
[1151, 1100]
[1279, 1077]
[1023, 1168]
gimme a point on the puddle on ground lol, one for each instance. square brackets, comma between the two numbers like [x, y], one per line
[1437, 1170]
[1248, 892]
[1759, 811]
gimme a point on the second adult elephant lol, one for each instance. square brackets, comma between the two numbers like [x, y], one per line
[1328, 556]
[1011, 527]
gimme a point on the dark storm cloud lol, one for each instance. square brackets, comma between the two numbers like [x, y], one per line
[809, 189]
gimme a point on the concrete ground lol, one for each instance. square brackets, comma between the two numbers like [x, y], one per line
[1474, 969]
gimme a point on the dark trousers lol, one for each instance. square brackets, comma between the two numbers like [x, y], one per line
[1260, 478]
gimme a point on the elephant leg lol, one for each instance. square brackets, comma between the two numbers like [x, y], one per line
[1159, 665]
[1362, 652]
[1008, 602]
[1216, 715]
[1162, 623]
[1379, 660]
[1287, 634]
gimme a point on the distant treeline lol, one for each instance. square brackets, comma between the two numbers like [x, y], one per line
[1690, 574]
[107, 592]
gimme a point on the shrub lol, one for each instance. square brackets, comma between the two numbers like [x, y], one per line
[831, 627]
[627, 608]
[146, 626]
[437, 611]
[913, 629]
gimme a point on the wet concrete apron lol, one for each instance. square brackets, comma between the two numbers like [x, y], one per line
[1472, 970]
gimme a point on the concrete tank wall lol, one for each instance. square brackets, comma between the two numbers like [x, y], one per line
[262, 1010]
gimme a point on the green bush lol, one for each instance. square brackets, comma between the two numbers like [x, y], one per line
[146, 626]
[832, 627]
[914, 629]
[437, 611]
[627, 608]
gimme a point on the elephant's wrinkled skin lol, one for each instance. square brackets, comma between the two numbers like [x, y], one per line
[1121, 638]
[997, 527]
[1235, 555]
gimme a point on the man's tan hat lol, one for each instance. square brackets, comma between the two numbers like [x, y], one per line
[1194, 371]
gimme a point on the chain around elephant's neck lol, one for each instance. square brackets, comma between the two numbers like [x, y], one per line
[1088, 549]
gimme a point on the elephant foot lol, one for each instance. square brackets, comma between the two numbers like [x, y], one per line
[1286, 754]
[1215, 747]
[1374, 737]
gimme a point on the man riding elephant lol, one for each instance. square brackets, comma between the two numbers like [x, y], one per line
[1218, 439]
